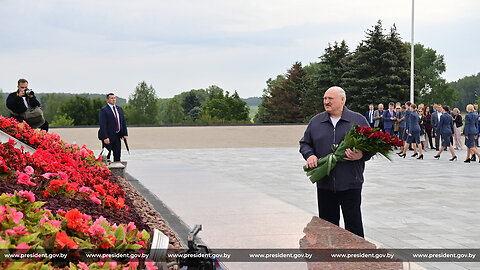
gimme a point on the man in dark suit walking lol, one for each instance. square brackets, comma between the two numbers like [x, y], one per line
[435, 121]
[113, 127]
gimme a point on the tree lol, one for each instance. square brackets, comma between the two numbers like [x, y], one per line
[283, 100]
[3, 107]
[62, 121]
[225, 107]
[321, 76]
[430, 87]
[377, 70]
[81, 110]
[51, 103]
[174, 112]
[142, 105]
[189, 102]
[260, 116]
[469, 90]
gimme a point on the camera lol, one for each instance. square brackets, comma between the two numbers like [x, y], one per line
[29, 92]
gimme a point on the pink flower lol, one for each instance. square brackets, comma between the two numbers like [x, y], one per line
[29, 170]
[24, 178]
[23, 247]
[28, 194]
[63, 176]
[43, 219]
[85, 189]
[83, 152]
[131, 226]
[150, 265]
[47, 175]
[20, 230]
[83, 266]
[55, 223]
[113, 265]
[100, 220]
[133, 263]
[15, 215]
[96, 229]
[95, 199]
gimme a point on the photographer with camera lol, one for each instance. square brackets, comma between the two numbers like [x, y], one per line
[23, 105]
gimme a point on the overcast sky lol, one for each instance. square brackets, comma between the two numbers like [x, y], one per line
[100, 46]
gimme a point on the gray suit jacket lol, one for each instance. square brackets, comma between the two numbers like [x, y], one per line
[434, 121]
[376, 117]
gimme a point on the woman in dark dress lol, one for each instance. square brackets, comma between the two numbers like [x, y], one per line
[446, 130]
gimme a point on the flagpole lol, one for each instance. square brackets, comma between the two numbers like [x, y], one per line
[412, 85]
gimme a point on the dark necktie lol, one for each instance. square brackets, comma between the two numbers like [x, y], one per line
[116, 119]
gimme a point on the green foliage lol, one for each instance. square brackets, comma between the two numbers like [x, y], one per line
[321, 76]
[3, 107]
[82, 110]
[430, 87]
[62, 121]
[51, 103]
[142, 105]
[253, 101]
[224, 107]
[283, 100]
[469, 90]
[174, 112]
[378, 70]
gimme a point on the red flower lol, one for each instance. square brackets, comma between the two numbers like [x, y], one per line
[109, 242]
[75, 220]
[62, 239]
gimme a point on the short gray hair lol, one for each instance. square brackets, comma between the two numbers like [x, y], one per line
[340, 91]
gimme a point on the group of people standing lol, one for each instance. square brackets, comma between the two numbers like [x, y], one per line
[420, 126]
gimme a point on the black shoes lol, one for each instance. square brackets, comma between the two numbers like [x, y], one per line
[402, 155]
[437, 156]
[467, 160]
[420, 157]
[474, 158]
[414, 155]
[453, 158]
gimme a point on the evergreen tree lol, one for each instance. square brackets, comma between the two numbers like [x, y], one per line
[189, 102]
[283, 100]
[321, 76]
[260, 116]
[377, 73]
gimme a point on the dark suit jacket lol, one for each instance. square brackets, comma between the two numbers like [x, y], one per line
[367, 115]
[16, 105]
[387, 123]
[107, 123]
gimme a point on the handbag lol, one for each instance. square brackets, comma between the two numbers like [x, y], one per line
[34, 117]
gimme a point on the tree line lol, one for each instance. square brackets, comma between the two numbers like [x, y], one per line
[377, 71]
[212, 105]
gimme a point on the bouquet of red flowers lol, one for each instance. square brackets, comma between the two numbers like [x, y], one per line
[365, 139]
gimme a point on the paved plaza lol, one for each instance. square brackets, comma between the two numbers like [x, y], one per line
[256, 195]
[260, 198]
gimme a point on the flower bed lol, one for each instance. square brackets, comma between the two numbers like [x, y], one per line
[61, 200]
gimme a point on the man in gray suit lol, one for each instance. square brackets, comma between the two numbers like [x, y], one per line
[435, 120]
[378, 117]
